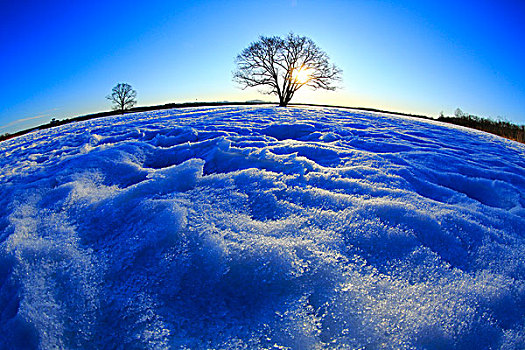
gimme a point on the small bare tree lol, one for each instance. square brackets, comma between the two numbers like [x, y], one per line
[282, 66]
[123, 97]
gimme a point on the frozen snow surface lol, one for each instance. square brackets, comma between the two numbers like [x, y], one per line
[261, 228]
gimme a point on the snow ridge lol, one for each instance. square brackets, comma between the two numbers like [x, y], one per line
[262, 227]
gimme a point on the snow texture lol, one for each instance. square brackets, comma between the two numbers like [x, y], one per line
[261, 228]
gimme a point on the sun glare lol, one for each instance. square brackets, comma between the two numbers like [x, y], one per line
[301, 75]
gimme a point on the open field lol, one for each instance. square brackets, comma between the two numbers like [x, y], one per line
[262, 227]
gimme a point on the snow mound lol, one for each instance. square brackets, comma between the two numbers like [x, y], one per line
[258, 227]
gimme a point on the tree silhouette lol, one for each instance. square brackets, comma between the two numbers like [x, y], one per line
[281, 66]
[123, 97]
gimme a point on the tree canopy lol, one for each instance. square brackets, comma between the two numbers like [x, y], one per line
[281, 66]
[123, 97]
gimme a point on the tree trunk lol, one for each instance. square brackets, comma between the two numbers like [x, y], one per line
[285, 101]
[282, 101]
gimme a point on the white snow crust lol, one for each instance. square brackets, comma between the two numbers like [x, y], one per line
[261, 228]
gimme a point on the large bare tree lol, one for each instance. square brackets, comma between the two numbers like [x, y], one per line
[123, 97]
[281, 66]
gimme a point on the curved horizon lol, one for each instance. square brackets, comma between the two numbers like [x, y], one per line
[61, 59]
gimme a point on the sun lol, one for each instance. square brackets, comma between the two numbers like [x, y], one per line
[301, 75]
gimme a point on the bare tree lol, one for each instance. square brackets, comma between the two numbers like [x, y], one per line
[282, 66]
[123, 97]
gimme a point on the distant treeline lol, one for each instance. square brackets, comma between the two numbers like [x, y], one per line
[55, 122]
[498, 127]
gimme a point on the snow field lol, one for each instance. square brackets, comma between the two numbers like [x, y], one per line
[262, 227]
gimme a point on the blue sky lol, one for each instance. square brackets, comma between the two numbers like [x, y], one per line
[61, 58]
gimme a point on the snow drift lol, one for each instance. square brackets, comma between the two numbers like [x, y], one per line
[259, 227]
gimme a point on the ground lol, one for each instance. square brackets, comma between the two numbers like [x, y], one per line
[262, 227]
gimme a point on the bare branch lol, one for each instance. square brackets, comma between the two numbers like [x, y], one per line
[123, 97]
[272, 63]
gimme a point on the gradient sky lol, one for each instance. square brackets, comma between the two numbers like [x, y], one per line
[60, 59]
